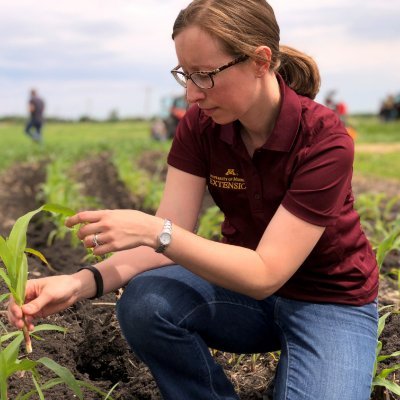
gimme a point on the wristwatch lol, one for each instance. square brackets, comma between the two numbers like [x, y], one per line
[165, 237]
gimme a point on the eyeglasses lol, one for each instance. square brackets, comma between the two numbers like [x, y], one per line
[203, 79]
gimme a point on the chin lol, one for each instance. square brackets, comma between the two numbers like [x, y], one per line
[223, 119]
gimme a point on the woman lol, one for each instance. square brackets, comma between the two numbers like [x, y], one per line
[294, 271]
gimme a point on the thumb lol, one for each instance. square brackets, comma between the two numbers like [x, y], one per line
[35, 307]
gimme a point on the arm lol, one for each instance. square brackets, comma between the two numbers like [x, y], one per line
[256, 273]
[181, 202]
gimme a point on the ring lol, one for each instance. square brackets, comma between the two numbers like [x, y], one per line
[96, 241]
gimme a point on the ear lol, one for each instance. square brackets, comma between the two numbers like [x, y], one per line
[262, 60]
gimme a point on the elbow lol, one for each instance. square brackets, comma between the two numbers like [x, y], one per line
[261, 295]
[261, 292]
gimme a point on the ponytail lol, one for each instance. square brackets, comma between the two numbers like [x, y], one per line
[299, 71]
[244, 25]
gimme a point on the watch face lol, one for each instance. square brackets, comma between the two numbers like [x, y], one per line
[165, 238]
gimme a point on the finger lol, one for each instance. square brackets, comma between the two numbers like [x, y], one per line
[89, 230]
[15, 310]
[34, 308]
[103, 249]
[83, 217]
[17, 322]
[88, 241]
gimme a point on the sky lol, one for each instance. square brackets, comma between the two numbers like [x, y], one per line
[90, 57]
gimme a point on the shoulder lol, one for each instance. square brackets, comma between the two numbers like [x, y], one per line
[320, 124]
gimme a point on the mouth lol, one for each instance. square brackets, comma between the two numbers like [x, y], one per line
[209, 111]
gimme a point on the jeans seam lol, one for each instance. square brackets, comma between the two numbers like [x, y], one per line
[215, 302]
[286, 344]
[207, 367]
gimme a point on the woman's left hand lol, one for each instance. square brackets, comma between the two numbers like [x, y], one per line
[113, 230]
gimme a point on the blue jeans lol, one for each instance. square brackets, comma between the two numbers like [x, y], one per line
[34, 130]
[170, 317]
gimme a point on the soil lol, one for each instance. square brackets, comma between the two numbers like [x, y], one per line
[93, 349]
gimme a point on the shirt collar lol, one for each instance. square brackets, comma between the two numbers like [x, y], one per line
[286, 125]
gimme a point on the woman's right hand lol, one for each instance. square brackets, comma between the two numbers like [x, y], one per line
[44, 296]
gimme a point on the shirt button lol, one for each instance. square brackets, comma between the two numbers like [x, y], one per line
[257, 196]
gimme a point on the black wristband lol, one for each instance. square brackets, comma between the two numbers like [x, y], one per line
[97, 278]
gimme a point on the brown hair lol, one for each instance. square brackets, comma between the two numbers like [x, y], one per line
[242, 26]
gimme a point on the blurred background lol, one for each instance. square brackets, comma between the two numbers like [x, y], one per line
[99, 59]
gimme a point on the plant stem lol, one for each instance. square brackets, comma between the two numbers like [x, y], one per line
[28, 342]
[3, 389]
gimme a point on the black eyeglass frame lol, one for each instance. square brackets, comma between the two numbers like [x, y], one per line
[210, 74]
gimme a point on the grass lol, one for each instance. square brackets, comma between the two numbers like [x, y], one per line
[78, 140]
[373, 130]
[377, 165]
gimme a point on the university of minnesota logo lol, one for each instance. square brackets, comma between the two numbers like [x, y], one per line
[230, 172]
[230, 180]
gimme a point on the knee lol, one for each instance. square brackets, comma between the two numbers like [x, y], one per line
[141, 311]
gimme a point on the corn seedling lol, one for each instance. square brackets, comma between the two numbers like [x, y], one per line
[59, 188]
[13, 254]
[378, 218]
[11, 363]
[380, 378]
[389, 243]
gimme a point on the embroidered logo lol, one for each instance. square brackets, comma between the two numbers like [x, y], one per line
[231, 172]
[231, 180]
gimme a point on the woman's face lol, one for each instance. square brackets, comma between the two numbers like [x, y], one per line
[234, 91]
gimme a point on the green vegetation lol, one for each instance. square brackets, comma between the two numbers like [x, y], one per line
[13, 252]
[380, 377]
[373, 130]
[378, 165]
[67, 143]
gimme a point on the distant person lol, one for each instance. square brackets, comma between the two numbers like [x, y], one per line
[340, 108]
[389, 111]
[36, 109]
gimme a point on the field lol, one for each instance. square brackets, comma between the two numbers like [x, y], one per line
[117, 165]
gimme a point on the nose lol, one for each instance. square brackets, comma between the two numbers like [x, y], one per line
[193, 93]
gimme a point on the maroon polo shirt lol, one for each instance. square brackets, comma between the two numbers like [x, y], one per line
[305, 165]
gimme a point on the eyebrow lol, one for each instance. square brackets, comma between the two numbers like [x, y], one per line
[198, 69]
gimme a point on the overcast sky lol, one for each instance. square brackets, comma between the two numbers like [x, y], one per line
[93, 56]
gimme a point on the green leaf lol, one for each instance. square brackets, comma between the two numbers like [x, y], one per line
[385, 357]
[6, 278]
[381, 323]
[391, 386]
[23, 365]
[40, 256]
[10, 335]
[17, 239]
[387, 371]
[22, 277]
[58, 209]
[387, 245]
[47, 385]
[11, 351]
[64, 374]
[4, 296]
[107, 396]
[48, 327]
[5, 253]
[38, 389]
